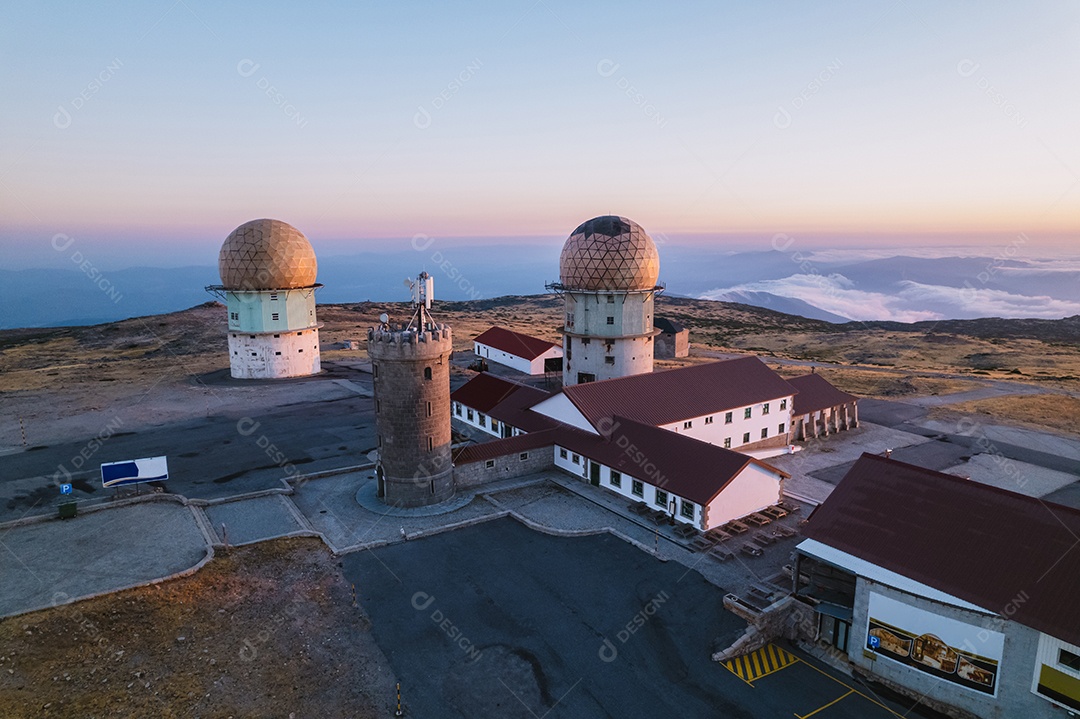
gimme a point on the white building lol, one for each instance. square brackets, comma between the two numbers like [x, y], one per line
[608, 274]
[497, 406]
[530, 355]
[953, 591]
[268, 271]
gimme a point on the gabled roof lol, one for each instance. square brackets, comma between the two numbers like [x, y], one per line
[685, 466]
[817, 393]
[665, 325]
[660, 398]
[1000, 550]
[500, 447]
[505, 400]
[514, 343]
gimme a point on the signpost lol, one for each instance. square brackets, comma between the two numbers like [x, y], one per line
[65, 488]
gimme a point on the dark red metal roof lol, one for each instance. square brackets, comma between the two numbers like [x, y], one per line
[501, 447]
[679, 464]
[1006, 552]
[817, 393]
[505, 400]
[660, 398]
[514, 343]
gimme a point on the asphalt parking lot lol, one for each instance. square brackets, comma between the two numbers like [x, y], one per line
[499, 620]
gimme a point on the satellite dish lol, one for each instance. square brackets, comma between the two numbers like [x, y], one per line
[384, 318]
[408, 283]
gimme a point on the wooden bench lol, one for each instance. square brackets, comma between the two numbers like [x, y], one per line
[700, 544]
[736, 527]
[791, 507]
[758, 519]
[639, 508]
[764, 539]
[686, 530]
[721, 554]
[751, 550]
[775, 512]
[781, 531]
[718, 535]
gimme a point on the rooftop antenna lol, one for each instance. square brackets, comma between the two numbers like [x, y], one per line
[423, 290]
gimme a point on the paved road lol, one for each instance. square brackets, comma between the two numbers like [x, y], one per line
[498, 620]
[209, 458]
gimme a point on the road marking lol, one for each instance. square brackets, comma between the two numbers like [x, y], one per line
[852, 689]
[821, 708]
[760, 663]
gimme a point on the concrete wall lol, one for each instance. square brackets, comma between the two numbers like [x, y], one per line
[754, 489]
[274, 356]
[718, 430]
[271, 310]
[824, 422]
[668, 345]
[628, 340]
[412, 414]
[1014, 696]
[506, 467]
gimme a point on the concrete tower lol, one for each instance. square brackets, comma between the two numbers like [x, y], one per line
[608, 275]
[268, 273]
[411, 368]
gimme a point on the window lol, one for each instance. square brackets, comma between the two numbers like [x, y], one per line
[661, 498]
[483, 420]
[1068, 659]
[727, 442]
[746, 438]
[429, 409]
[276, 336]
[746, 413]
[585, 341]
[235, 316]
[708, 420]
[273, 296]
[687, 509]
[457, 408]
[427, 373]
[780, 428]
[274, 316]
[576, 459]
[494, 424]
[490, 463]
[523, 456]
[277, 353]
[375, 371]
[727, 418]
[254, 354]
[610, 299]
[783, 405]
[765, 408]
[299, 350]
[430, 444]
[609, 360]
[611, 320]
[562, 453]
[469, 415]
[637, 488]
[615, 480]
[764, 432]
[688, 425]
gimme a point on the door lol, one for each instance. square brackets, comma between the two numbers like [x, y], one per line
[594, 474]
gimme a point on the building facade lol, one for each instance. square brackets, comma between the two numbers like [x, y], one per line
[526, 354]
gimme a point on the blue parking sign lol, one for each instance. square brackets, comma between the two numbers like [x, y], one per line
[65, 489]
[875, 642]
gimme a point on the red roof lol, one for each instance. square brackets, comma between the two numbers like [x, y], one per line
[997, 549]
[660, 398]
[500, 447]
[685, 466]
[514, 343]
[505, 400]
[817, 393]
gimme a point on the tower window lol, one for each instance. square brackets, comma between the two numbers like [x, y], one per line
[611, 320]
[274, 316]
[254, 354]
[375, 370]
[277, 353]
[585, 341]
[252, 336]
[273, 296]
[429, 409]
[610, 298]
[378, 406]
[430, 444]
[609, 360]
[276, 336]
[300, 350]
[427, 373]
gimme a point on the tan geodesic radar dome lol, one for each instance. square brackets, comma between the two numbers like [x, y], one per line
[266, 255]
[609, 253]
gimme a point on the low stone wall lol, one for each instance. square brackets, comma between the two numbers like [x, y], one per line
[507, 466]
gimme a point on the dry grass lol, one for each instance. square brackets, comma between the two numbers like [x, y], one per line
[1060, 413]
[267, 630]
[883, 385]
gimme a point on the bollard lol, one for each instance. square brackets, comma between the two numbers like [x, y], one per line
[399, 713]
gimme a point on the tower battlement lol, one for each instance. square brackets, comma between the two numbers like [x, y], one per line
[404, 343]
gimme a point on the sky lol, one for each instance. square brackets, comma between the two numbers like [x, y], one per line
[144, 132]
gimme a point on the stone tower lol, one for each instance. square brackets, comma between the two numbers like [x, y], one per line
[608, 275]
[268, 271]
[411, 369]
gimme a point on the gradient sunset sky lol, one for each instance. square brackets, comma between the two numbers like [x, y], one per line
[152, 129]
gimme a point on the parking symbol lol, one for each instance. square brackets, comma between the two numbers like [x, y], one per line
[65, 489]
[875, 642]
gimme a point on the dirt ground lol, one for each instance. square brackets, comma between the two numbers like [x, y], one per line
[268, 630]
[883, 385]
[1058, 413]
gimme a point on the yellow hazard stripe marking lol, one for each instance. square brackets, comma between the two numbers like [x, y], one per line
[760, 663]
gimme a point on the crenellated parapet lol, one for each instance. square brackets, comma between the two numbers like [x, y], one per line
[410, 344]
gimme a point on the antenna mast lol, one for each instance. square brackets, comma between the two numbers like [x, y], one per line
[423, 291]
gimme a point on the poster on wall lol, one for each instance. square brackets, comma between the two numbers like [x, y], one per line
[948, 649]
